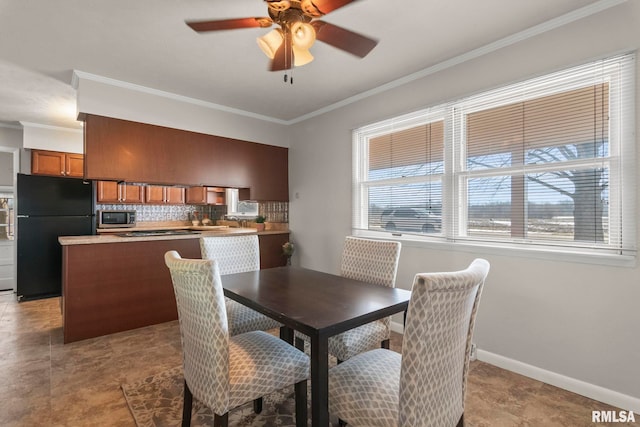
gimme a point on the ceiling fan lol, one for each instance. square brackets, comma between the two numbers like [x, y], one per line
[288, 45]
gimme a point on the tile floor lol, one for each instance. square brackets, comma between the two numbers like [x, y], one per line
[46, 383]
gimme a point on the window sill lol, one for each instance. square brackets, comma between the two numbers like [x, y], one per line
[544, 253]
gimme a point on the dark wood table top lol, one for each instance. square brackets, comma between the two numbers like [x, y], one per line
[319, 305]
[312, 301]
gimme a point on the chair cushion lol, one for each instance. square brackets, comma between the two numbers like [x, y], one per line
[354, 341]
[364, 390]
[243, 319]
[259, 364]
[358, 340]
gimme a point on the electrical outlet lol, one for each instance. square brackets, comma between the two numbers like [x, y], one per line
[473, 354]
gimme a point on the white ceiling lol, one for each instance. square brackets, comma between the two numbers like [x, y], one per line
[146, 42]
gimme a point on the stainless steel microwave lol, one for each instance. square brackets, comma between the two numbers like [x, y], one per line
[116, 219]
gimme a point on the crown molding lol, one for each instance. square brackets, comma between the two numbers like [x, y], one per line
[536, 30]
[80, 75]
[552, 24]
[49, 127]
[10, 126]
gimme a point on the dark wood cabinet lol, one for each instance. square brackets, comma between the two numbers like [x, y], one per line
[271, 250]
[122, 150]
[74, 165]
[57, 163]
[158, 194]
[205, 196]
[107, 290]
[113, 192]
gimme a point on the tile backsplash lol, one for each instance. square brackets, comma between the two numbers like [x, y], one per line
[274, 211]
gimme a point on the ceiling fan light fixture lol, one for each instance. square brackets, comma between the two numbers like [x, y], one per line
[270, 42]
[301, 56]
[310, 9]
[304, 35]
[278, 6]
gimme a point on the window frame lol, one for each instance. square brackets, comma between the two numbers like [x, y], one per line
[620, 162]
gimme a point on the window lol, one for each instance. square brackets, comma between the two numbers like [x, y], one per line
[547, 163]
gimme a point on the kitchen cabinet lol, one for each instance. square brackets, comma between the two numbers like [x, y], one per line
[158, 194]
[113, 192]
[205, 196]
[123, 150]
[271, 250]
[106, 290]
[56, 163]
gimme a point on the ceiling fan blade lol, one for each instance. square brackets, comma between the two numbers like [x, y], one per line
[341, 38]
[283, 58]
[326, 6]
[229, 24]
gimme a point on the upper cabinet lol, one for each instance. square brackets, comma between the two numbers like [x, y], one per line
[205, 195]
[113, 192]
[122, 150]
[157, 194]
[57, 163]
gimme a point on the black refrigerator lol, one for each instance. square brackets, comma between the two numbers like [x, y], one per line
[49, 207]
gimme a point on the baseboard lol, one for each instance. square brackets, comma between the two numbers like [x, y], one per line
[601, 394]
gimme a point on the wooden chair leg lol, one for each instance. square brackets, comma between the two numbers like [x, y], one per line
[186, 406]
[461, 422]
[301, 403]
[385, 344]
[257, 405]
[221, 420]
[286, 334]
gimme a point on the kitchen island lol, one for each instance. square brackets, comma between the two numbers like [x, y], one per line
[112, 283]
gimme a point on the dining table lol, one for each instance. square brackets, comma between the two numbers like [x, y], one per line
[318, 304]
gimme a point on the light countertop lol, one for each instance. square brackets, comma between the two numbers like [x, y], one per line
[112, 235]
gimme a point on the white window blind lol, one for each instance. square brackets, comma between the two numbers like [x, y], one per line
[547, 163]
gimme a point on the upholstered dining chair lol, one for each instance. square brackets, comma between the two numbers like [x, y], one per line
[426, 385]
[225, 372]
[372, 261]
[237, 254]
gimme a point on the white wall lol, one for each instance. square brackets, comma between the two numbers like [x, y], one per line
[573, 322]
[124, 101]
[42, 137]
[11, 137]
[6, 168]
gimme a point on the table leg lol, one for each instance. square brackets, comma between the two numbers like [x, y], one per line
[286, 334]
[319, 381]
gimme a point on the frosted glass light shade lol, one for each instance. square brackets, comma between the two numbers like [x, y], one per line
[303, 35]
[270, 42]
[301, 56]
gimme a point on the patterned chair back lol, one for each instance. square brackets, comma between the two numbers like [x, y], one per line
[234, 254]
[203, 328]
[437, 344]
[374, 261]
